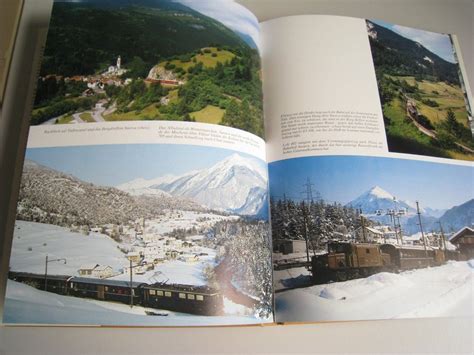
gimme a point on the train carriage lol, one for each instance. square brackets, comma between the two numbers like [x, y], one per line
[413, 257]
[54, 283]
[200, 300]
[107, 290]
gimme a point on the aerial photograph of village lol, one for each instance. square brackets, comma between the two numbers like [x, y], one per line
[424, 100]
[140, 235]
[371, 238]
[150, 60]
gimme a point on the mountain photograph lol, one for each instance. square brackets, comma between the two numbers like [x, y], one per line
[332, 198]
[150, 60]
[424, 101]
[188, 217]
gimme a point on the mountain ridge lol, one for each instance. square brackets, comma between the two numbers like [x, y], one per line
[398, 55]
[234, 184]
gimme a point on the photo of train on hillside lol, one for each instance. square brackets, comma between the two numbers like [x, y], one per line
[424, 99]
[349, 232]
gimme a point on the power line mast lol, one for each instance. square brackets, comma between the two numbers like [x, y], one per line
[362, 225]
[306, 213]
[442, 235]
[309, 190]
[305, 230]
[392, 213]
[421, 226]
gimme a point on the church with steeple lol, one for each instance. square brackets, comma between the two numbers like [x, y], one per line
[116, 69]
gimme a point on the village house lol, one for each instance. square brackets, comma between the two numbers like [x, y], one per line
[134, 257]
[464, 241]
[286, 246]
[102, 271]
[96, 270]
[86, 270]
[172, 254]
[387, 231]
[369, 234]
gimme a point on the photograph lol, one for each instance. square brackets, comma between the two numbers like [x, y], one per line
[141, 235]
[151, 60]
[424, 100]
[358, 238]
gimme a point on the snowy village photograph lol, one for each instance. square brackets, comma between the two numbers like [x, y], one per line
[140, 235]
[125, 60]
[357, 238]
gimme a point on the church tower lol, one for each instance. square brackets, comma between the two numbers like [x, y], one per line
[119, 61]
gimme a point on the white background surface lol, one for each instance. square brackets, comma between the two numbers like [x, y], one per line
[390, 336]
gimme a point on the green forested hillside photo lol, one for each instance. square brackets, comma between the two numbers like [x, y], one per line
[424, 102]
[146, 60]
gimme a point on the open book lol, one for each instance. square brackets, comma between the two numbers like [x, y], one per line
[187, 165]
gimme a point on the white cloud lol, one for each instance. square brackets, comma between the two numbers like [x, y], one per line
[437, 43]
[231, 14]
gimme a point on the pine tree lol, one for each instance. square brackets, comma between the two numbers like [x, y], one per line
[451, 122]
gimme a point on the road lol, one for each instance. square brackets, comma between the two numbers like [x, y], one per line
[96, 114]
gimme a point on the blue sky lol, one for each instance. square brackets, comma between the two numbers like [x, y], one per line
[111, 165]
[438, 43]
[231, 14]
[344, 178]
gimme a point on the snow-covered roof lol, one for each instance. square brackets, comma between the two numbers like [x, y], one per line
[102, 267]
[107, 282]
[88, 266]
[462, 231]
[373, 230]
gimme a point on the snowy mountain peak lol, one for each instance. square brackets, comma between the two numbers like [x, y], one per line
[236, 160]
[378, 192]
[377, 199]
[235, 183]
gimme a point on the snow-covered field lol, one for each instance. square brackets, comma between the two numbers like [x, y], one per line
[178, 219]
[28, 305]
[33, 241]
[290, 278]
[175, 271]
[442, 291]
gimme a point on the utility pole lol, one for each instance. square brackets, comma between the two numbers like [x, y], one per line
[421, 226]
[306, 213]
[442, 235]
[362, 223]
[392, 213]
[46, 274]
[131, 284]
[395, 212]
[305, 222]
[400, 228]
[46, 269]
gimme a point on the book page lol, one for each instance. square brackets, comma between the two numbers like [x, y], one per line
[321, 96]
[370, 170]
[144, 194]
